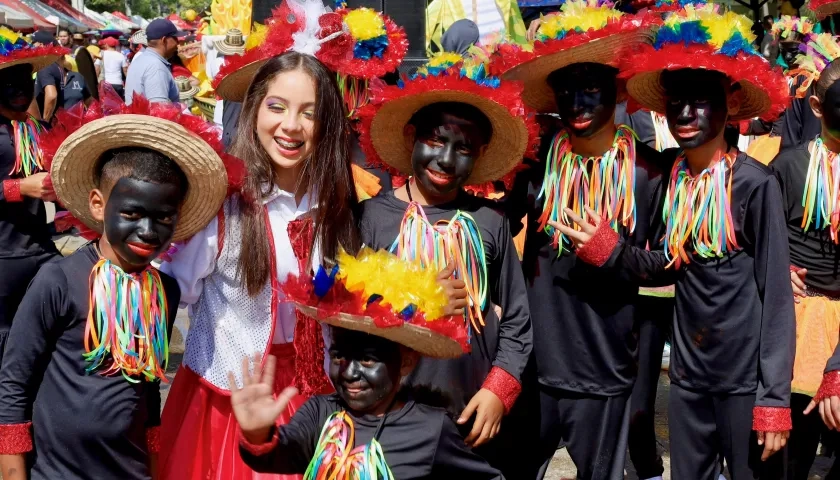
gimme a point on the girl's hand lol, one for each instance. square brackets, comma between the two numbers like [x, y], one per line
[254, 405]
[455, 289]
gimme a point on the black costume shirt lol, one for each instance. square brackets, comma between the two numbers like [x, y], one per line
[506, 342]
[734, 327]
[799, 125]
[83, 425]
[418, 442]
[52, 75]
[23, 225]
[583, 316]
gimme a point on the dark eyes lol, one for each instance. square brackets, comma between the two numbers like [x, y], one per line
[134, 217]
[592, 90]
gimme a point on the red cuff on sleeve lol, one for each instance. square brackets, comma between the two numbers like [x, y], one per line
[504, 386]
[599, 248]
[830, 386]
[794, 268]
[153, 439]
[15, 439]
[260, 449]
[771, 419]
[11, 190]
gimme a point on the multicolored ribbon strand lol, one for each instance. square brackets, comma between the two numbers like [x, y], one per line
[604, 184]
[28, 159]
[664, 139]
[458, 240]
[356, 93]
[334, 459]
[699, 207]
[126, 329]
[821, 198]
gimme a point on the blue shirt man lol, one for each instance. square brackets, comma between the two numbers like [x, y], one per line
[150, 74]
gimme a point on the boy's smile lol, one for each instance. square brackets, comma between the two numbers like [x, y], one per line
[586, 95]
[696, 106]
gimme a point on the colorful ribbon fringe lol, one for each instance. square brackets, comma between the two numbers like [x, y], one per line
[336, 459]
[29, 159]
[822, 185]
[433, 246]
[699, 207]
[604, 184]
[664, 139]
[127, 323]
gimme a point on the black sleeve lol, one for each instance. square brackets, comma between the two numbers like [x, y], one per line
[7, 157]
[516, 202]
[454, 460]
[173, 297]
[833, 362]
[648, 267]
[759, 127]
[38, 323]
[792, 125]
[765, 227]
[508, 292]
[295, 443]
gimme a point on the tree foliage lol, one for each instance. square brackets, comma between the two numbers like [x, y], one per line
[148, 8]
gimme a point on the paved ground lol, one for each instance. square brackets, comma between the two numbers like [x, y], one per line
[561, 467]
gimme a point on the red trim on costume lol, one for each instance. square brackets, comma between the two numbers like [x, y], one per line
[794, 268]
[599, 248]
[771, 419]
[11, 190]
[503, 385]
[262, 448]
[15, 439]
[153, 439]
[310, 378]
[742, 67]
[830, 386]
[33, 52]
[337, 54]
[744, 127]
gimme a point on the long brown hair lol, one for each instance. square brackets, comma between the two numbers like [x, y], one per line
[326, 172]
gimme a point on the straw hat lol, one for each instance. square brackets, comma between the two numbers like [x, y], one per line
[139, 38]
[765, 92]
[75, 163]
[22, 53]
[824, 8]
[94, 51]
[186, 90]
[514, 127]
[584, 31]
[232, 44]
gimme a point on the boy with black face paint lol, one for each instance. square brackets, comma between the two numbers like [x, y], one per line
[459, 130]
[25, 242]
[585, 346]
[371, 427]
[80, 383]
[813, 237]
[725, 247]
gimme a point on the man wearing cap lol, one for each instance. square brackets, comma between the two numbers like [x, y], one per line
[150, 75]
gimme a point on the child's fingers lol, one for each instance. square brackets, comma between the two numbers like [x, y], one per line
[811, 406]
[268, 370]
[447, 271]
[284, 398]
[232, 383]
[468, 411]
[246, 372]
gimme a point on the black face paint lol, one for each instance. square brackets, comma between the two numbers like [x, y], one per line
[140, 219]
[444, 154]
[17, 88]
[696, 105]
[364, 369]
[831, 109]
[586, 94]
[789, 51]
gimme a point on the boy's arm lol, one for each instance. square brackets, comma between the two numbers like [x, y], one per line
[765, 221]
[288, 448]
[36, 325]
[453, 459]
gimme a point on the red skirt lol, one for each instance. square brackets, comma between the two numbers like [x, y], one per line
[199, 434]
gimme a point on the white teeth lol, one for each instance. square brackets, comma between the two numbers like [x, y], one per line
[289, 145]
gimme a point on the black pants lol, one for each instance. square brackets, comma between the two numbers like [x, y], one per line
[17, 272]
[119, 89]
[655, 315]
[703, 426]
[593, 428]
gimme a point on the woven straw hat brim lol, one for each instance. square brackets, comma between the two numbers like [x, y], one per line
[228, 49]
[38, 63]
[827, 9]
[189, 93]
[74, 166]
[507, 143]
[534, 73]
[234, 86]
[646, 89]
[422, 340]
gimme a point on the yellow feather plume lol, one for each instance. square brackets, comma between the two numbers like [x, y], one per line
[399, 283]
[364, 24]
[6, 34]
[257, 36]
[577, 15]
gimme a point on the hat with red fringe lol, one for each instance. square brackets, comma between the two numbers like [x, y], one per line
[448, 78]
[365, 44]
[662, 6]
[583, 31]
[704, 38]
[379, 294]
[14, 50]
[824, 8]
[73, 149]
[293, 25]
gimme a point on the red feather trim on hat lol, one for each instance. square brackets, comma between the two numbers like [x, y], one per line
[743, 67]
[815, 4]
[33, 52]
[507, 94]
[337, 54]
[508, 56]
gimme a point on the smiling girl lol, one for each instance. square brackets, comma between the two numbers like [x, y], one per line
[294, 210]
